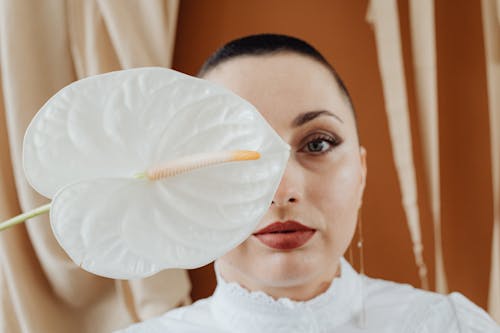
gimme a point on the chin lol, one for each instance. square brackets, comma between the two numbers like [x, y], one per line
[252, 264]
[283, 269]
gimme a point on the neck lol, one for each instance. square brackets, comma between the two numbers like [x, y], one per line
[294, 289]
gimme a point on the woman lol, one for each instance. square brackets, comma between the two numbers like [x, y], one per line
[290, 275]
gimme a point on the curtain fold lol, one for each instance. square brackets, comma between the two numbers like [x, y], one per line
[43, 47]
[423, 38]
[383, 15]
[142, 33]
[491, 31]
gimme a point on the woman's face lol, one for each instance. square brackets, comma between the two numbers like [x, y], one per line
[323, 183]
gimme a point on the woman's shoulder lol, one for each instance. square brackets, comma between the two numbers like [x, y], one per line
[424, 311]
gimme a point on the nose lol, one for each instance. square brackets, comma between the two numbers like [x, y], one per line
[289, 189]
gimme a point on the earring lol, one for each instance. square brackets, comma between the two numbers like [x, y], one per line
[360, 244]
[361, 320]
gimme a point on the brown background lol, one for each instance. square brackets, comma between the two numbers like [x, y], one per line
[339, 30]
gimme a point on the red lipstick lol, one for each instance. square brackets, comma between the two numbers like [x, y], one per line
[287, 235]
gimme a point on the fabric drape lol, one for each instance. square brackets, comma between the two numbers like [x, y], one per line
[43, 47]
[424, 66]
[383, 15]
[491, 28]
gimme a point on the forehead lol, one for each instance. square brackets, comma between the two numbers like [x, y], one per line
[282, 85]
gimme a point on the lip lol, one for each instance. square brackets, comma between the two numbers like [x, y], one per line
[287, 235]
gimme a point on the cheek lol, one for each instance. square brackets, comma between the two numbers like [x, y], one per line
[335, 191]
[335, 194]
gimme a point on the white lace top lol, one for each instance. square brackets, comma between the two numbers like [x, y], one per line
[352, 303]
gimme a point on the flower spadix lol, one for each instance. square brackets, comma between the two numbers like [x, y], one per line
[151, 169]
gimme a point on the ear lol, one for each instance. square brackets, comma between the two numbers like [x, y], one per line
[362, 159]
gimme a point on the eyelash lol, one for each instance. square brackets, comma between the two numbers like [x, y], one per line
[331, 140]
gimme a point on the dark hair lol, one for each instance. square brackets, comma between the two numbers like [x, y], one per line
[264, 44]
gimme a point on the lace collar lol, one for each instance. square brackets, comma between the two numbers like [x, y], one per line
[239, 310]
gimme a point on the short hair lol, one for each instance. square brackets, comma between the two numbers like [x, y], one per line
[266, 44]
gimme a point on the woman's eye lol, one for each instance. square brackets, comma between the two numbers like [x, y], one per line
[320, 145]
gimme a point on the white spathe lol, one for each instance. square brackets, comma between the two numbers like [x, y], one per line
[85, 145]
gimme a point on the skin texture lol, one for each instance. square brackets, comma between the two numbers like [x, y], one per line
[324, 180]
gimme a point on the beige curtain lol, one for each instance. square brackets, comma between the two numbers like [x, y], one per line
[491, 28]
[45, 45]
[384, 16]
[424, 67]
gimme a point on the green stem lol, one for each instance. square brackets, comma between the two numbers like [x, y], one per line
[140, 175]
[22, 217]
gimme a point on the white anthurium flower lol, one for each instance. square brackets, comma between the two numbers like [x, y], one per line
[151, 169]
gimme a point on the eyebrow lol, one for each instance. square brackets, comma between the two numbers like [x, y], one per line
[305, 117]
